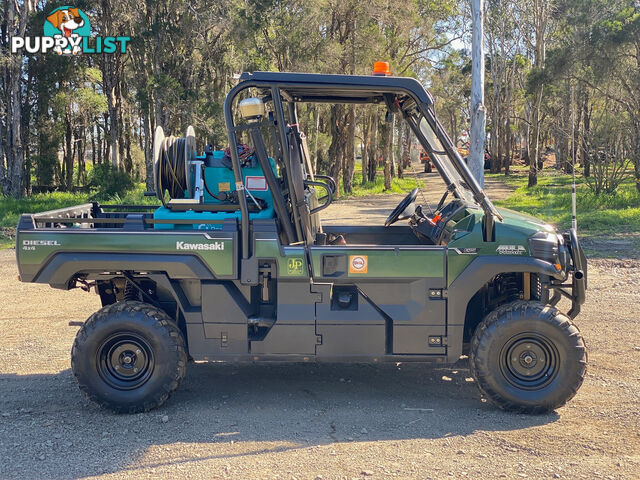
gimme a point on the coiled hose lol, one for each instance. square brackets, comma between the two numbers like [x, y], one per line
[172, 170]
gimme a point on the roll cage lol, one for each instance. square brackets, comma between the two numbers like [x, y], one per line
[400, 95]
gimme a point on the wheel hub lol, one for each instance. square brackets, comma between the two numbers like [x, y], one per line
[529, 361]
[125, 361]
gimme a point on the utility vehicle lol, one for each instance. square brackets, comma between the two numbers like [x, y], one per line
[424, 159]
[235, 265]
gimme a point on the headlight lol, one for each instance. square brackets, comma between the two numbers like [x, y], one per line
[545, 246]
[564, 257]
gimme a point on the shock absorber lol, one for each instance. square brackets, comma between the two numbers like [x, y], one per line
[130, 292]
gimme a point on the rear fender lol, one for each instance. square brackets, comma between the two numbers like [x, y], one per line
[61, 268]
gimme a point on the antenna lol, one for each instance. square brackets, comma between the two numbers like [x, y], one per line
[574, 219]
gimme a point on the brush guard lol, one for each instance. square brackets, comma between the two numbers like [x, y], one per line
[576, 290]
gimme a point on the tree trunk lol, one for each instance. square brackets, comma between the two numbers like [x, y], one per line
[316, 152]
[406, 145]
[508, 146]
[366, 130]
[15, 157]
[478, 111]
[527, 143]
[148, 155]
[534, 149]
[635, 154]
[541, 10]
[349, 151]
[394, 170]
[111, 67]
[586, 134]
[126, 144]
[112, 135]
[82, 150]
[68, 156]
[387, 139]
[336, 148]
[3, 172]
[13, 183]
[373, 146]
[563, 127]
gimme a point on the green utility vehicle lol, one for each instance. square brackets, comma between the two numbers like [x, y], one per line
[236, 266]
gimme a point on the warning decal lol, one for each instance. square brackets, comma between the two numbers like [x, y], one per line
[358, 263]
[256, 183]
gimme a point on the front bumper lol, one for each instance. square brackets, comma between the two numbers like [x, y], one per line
[577, 269]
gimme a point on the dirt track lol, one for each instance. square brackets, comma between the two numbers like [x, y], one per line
[373, 209]
[315, 421]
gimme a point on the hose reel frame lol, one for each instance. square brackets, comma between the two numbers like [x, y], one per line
[173, 158]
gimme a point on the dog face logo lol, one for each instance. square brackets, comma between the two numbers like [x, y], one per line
[69, 23]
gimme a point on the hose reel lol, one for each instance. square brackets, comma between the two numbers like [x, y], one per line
[178, 171]
[175, 167]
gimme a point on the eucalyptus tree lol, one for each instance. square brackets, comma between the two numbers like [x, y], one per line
[15, 17]
[504, 47]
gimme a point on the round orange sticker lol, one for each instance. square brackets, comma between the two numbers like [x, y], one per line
[358, 264]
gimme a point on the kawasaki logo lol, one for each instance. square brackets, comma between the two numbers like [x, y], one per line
[199, 246]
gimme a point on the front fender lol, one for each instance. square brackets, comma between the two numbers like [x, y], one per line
[473, 278]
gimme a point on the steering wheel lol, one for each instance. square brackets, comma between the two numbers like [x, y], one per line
[402, 206]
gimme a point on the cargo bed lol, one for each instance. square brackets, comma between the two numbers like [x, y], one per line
[79, 242]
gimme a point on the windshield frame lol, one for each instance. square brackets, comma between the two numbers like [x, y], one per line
[455, 183]
[448, 161]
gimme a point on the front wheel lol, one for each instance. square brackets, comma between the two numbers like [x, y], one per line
[528, 357]
[129, 357]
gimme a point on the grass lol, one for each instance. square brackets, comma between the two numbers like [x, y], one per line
[550, 200]
[398, 185]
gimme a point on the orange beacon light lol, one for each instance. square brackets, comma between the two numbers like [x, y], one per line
[381, 68]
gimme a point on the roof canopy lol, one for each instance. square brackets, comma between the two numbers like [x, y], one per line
[313, 87]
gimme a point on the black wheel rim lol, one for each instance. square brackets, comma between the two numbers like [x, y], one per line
[529, 361]
[125, 361]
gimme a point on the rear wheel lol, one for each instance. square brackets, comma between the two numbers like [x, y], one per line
[129, 357]
[528, 357]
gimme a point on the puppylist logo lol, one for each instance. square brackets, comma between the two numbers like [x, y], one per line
[67, 31]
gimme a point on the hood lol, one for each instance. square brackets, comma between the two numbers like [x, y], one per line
[524, 222]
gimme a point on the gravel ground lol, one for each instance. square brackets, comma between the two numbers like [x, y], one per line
[316, 421]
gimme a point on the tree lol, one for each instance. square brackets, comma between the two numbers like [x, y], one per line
[478, 111]
[616, 40]
[538, 16]
[15, 16]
